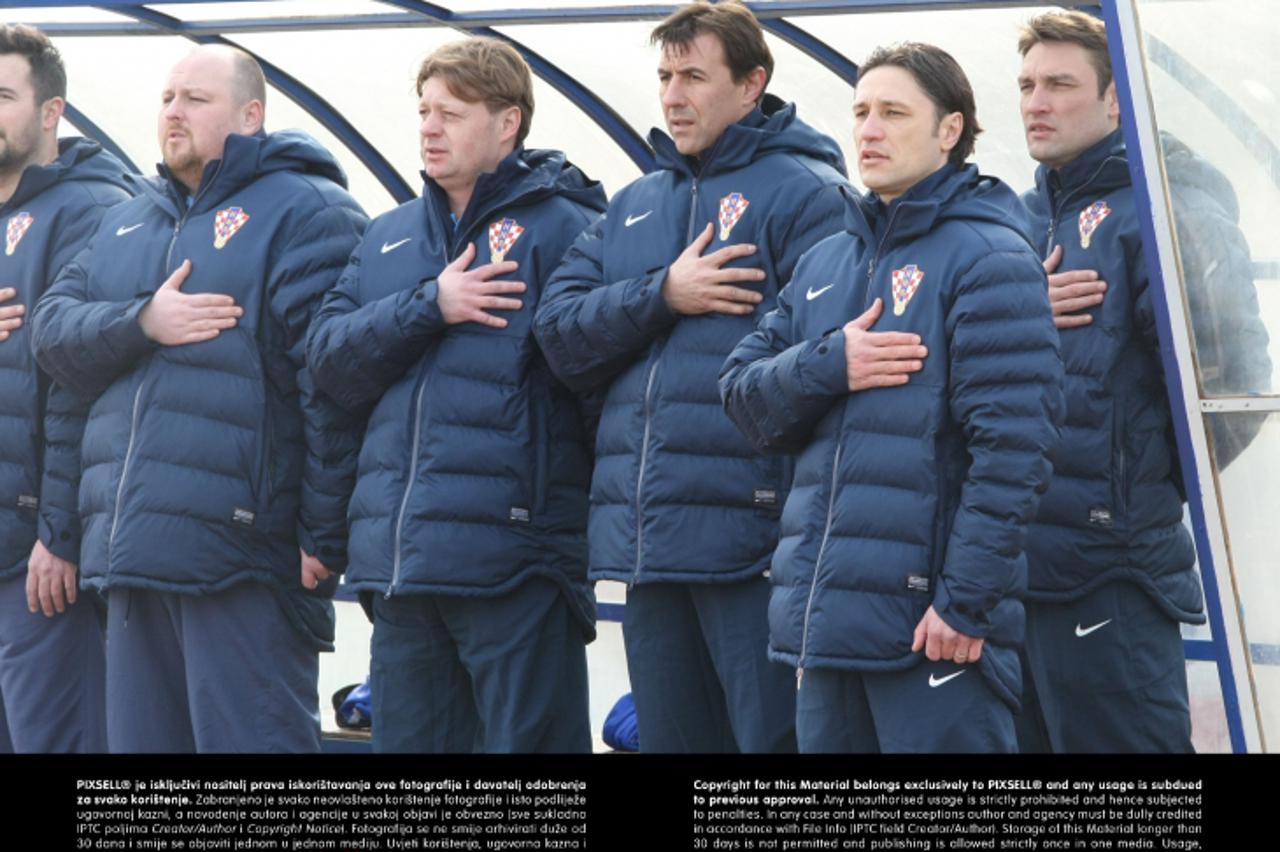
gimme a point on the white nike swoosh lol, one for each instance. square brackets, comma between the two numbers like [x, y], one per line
[1085, 631]
[812, 294]
[631, 220]
[939, 681]
[120, 232]
[386, 247]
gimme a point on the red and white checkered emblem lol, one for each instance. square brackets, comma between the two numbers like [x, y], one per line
[1090, 218]
[18, 225]
[905, 283]
[502, 236]
[226, 223]
[732, 206]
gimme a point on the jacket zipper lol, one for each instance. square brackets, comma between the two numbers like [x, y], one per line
[408, 486]
[875, 258]
[398, 542]
[124, 470]
[137, 399]
[822, 549]
[648, 399]
[1062, 203]
[644, 458]
[693, 210]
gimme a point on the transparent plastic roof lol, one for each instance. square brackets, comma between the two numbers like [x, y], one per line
[366, 72]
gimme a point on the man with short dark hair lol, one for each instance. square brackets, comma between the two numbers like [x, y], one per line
[213, 495]
[1111, 564]
[644, 309]
[469, 517]
[52, 195]
[922, 443]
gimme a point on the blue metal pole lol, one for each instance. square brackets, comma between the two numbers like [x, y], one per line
[300, 94]
[91, 130]
[1173, 379]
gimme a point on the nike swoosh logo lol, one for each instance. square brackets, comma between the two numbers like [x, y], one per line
[631, 220]
[939, 681]
[1085, 631]
[386, 247]
[812, 294]
[120, 232]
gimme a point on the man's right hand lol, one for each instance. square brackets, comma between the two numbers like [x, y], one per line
[174, 318]
[10, 315]
[880, 359]
[696, 284]
[1072, 292]
[51, 582]
[467, 295]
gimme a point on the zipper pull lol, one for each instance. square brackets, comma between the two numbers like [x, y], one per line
[799, 677]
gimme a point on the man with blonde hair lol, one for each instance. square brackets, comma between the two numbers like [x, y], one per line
[468, 519]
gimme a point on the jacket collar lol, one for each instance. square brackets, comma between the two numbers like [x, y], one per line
[1101, 167]
[913, 213]
[75, 161]
[951, 192]
[521, 176]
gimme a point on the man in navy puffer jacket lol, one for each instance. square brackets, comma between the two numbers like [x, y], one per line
[922, 444]
[683, 509]
[1111, 562]
[52, 195]
[468, 521]
[214, 491]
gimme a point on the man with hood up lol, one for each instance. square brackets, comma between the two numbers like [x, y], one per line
[645, 308]
[469, 516]
[1112, 566]
[923, 444]
[53, 193]
[214, 490]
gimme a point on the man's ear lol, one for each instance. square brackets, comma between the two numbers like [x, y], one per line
[510, 124]
[252, 115]
[755, 82]
[1112, 101]
[51, 112]
[949, 130]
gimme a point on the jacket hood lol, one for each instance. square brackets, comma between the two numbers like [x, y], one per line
[245, 159]
[1187, 170]
[524, 176]
[949, 193]
[773, 127]
[78, 159]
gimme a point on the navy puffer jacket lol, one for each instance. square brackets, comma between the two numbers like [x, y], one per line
[920, 494]
[211, 463]
[1114, 509]
[678, 495]
[49, 218]
[475, 466]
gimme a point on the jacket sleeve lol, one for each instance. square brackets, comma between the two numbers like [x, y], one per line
[776, 390]
[86, 345]
[357, 351]
[64, 414]
[590, 329]
[303, 271]
[58, 524]
[1005, 393]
